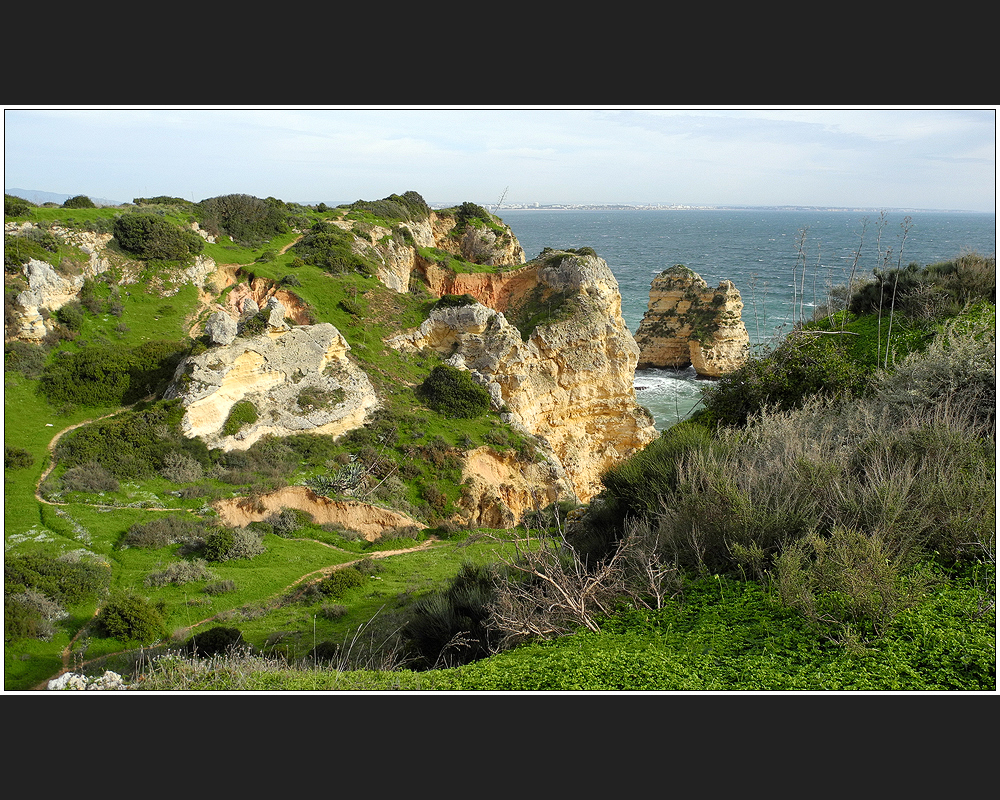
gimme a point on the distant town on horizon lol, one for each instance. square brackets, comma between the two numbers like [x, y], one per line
[38, 196]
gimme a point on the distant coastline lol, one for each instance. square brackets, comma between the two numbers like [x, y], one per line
[683, 207]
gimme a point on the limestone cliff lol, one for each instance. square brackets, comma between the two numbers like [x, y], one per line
[299, 380]
[688, 323]
[563, 373]
[397, 251]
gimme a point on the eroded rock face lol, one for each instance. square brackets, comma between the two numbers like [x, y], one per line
[571, 382]
[399, 258]
[688, 323]
[299, 380]
[368, 520]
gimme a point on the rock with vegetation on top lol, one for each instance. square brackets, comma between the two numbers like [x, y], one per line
[298, 380]
[688, 324]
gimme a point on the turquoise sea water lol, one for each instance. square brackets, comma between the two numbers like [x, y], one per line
[757, 249]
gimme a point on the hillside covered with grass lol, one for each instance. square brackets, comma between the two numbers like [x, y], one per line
[825, 522]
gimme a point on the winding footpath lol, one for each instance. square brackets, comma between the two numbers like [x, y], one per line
[314, 575]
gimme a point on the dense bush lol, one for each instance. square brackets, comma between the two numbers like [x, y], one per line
[455, 301]
[180, 467]
[129, 617]
[79, 201]
[66, 580]
[408, 206]
[229, 544]
[247, 220]
[158, 533]
[467, 213]
[341, 580]
[131, 444]
[24, 357]
[16, 206]
[106, 375]
[91, 478]
[216, 641]
[453, 393]
[179, 573]
[804, 365]
[151, 237]
[16, 457]
[30, 614]
[330, 248]
[934, 291]
[450, 627]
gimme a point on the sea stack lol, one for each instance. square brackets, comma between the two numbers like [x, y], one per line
[688, 324]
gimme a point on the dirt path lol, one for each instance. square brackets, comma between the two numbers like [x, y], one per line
[325, 571]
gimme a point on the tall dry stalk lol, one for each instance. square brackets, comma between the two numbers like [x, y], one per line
[854, 267]
[906, 224]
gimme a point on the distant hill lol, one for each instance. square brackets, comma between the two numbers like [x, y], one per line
[39, 197]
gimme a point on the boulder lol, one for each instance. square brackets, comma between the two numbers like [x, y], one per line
[220, 329]
[299, 380]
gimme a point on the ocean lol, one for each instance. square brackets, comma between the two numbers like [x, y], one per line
[760, 250]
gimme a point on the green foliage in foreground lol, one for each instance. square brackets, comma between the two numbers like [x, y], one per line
[724, 635]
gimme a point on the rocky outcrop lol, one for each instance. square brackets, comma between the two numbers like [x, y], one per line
[49, 289]
[298, 379]
[397, 250]
[690, 324]
[563, 373]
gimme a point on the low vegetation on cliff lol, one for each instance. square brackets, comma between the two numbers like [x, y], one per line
[827, 521]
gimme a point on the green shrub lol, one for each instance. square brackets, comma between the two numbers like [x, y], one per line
[255, 325]
[455, 301]
[247, 220]
[340, 581]
[801, 367]
[71, 315]
[16, 206]
[106, 375]
[151, 237]
[229, 544]
[453, 393]
[408, 206]
[330, 248]
[215, 641]
[129, 617]
[241, 414]
[450, 627]
[24, 357]
[63, 579]
[16, 457]
[79, 201]
[133, 443]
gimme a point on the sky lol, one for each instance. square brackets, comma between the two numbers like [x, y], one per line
[881, 158]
